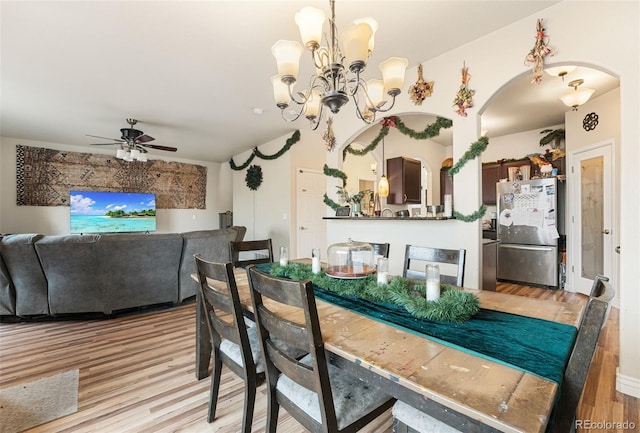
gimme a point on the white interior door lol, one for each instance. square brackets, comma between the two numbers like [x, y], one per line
[591, 216]
[311, 228]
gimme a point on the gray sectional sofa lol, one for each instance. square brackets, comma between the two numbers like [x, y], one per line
[55, 275]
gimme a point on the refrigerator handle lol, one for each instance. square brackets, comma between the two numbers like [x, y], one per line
[527, 247]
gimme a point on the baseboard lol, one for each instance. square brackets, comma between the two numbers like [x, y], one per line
[627, 385]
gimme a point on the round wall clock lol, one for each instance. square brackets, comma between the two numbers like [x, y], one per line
[590, 122]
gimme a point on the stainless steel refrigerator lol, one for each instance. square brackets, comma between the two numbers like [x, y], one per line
[530, 221]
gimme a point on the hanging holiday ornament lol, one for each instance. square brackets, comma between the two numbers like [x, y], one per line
[328, 136]
[421, 90]
[537, 54]
[464, 97]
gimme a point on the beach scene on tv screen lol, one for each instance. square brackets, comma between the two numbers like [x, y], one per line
[112, 212]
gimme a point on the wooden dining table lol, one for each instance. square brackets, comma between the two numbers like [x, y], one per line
[455, 386]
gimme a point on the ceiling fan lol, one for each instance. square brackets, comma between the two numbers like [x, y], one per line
[132, 143]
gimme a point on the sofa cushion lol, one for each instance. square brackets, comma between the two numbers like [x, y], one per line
[213, 245]
[7, 291]
[23, 266]
[71, 265]
[139, 269]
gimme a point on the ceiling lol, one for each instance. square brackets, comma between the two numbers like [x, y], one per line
[192, 72]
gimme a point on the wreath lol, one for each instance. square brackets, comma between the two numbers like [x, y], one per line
[254, 177]
[454, 305]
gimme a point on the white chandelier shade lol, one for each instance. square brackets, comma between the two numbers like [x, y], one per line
[338, 66]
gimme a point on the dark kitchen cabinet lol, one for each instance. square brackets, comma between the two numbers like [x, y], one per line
[405, 180]
[491, 174]
[504, 174]
[446, 184]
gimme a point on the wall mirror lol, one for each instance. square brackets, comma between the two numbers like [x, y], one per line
[365, 171]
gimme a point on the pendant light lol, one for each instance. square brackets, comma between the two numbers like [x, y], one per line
[383, 185]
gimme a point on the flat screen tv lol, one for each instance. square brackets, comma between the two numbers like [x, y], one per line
[112, 212]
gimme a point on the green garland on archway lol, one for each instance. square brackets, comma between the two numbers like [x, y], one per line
[333, 172]
[256, 152]
[470, 218]
[430, 131]
[454, 305]
[474, 151]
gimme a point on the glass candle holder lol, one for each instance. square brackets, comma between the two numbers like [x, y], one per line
[383, 270]
[284, 256]
[433, 282]
[315, 260]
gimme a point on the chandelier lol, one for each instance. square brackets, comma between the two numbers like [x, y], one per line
[338, 73]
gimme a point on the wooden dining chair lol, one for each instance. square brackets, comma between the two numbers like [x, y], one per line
[424, 255]
[233, 343]
[262, 252]
[379, 249]
[575, 375]
[318, 395]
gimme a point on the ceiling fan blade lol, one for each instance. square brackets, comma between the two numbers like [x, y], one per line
[144, 138]
[156, 146]
[105, 138]
[104, 144]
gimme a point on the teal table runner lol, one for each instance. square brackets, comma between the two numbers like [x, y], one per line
[537, 346]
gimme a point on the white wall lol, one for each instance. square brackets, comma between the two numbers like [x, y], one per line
[54, 220]
[269, 212]
[515, 146]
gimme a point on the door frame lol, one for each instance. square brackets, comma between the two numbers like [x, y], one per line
[606, 149]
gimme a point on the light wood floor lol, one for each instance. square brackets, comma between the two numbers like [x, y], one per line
[137, 374]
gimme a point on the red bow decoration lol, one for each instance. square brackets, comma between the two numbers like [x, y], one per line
[389, 122]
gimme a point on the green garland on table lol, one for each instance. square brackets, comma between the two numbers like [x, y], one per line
[256, 152]
[454, 305]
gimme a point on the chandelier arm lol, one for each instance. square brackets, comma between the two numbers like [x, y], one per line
[366, 119]
[320, 57]
[379, 107]
[359, 84]
[295, 116]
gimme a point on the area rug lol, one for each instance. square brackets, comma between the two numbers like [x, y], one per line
[33, 403]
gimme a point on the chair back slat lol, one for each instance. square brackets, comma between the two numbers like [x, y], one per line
[298, 372]
[379, 249]
[294, 333]
[288, 334]
[262, 249]
[435, 255]
[223, 311]
[575, 375]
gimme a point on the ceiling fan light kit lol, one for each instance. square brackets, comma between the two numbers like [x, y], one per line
[337, 78]
[133, 143]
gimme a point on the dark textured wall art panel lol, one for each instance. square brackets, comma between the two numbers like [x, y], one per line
[45, 177]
